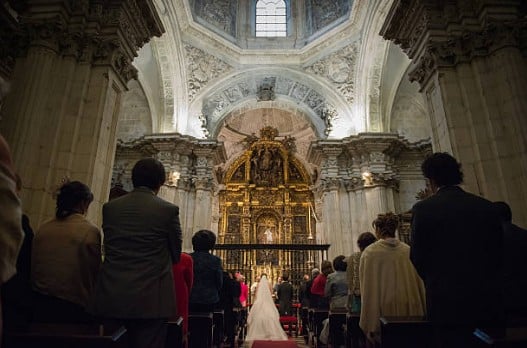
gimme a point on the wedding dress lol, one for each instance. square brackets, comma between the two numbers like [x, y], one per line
[264, 321]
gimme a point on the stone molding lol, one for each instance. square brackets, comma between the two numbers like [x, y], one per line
[437, 35]
[469, 46]
[202, 68]
[92, 32]
[339, 69]
[363, 161]
[192, 158]
[218, 104]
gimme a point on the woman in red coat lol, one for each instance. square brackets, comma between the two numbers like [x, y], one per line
[183, 277]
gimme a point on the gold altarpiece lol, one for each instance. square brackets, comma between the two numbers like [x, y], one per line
[267, 203]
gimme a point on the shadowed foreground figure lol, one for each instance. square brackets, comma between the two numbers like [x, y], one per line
[457, 248]
[142, 237]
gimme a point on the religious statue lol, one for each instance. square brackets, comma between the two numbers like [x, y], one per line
[268, 236]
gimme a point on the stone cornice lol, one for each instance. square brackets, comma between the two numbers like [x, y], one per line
[469, 46]
[441, 35]
[177, 143]
[101, 33]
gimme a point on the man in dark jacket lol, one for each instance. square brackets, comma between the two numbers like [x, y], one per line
[285, 295]
[514, 263]
[456, 243]
[142, 238]
[229, 292]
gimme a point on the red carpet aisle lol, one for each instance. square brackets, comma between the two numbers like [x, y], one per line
[275, 344]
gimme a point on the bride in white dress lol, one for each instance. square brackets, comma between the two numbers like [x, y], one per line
[264, 321]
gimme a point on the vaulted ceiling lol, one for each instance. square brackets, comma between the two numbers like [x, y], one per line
[332, 77]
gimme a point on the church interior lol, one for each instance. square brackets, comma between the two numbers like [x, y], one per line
[285, 126]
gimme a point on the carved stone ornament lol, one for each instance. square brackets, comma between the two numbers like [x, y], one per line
[218, 13]
[326, 12]
[266, 89]
[202, 68]
[122, 28]
[339, 68]
[329, 115]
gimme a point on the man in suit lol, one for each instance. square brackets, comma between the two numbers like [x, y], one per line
[456, 247]
[142, 239]
[285, 295]
[515, 261]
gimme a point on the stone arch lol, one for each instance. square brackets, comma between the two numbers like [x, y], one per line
[316, 97]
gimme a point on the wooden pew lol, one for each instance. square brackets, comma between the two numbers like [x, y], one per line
[218, 327]
[200, 326]
[175, 334]
[406, 332]
[316, 316]
[337, 321]
[512, 337]
[55, 335]
[354, 336]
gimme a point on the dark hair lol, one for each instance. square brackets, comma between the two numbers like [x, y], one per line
[285, 277]
[339, 263]
[69, 196]
[386, 224]
[365, 239]
[326, 267]
[203, 240]
[148, 172]
[503, 210]
[443, 169]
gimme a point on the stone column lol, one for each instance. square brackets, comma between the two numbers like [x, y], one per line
[330, 186]
[61, 115]
[470, 60]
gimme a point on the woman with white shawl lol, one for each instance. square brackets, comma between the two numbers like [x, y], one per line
[264, 321]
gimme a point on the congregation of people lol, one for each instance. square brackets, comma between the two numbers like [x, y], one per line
[463, 270]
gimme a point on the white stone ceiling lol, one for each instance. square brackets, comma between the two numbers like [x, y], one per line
[331, 80]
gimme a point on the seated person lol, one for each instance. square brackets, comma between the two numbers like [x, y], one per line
[66, 258]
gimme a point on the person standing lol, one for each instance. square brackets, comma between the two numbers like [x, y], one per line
[515, 259]
[142, 239]
[389, 283]
[66, 258]
[264, 320]
[11, 234]
[208, 273]
[285, 296]
[244, 293]
[183, 273]
[352, 271]
[456, 237]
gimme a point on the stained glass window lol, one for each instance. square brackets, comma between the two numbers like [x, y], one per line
[271, 18]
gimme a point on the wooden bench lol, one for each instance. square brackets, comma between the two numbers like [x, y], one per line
[337, 322]
[200, 326]
[175, 334]
[218, 327]
[406, 332]
[354, 336]
[316, 316]
[55, 335]
[512, 337]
